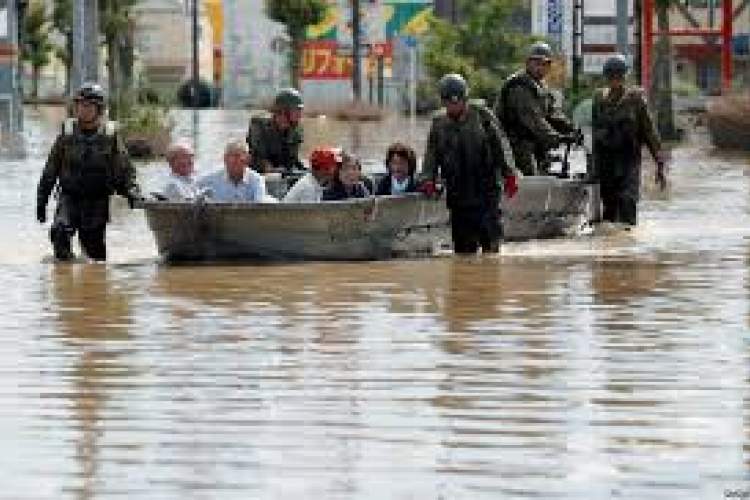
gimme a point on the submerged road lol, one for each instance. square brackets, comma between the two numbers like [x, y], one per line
[613, 366]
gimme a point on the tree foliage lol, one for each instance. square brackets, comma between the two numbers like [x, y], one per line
[296, 16]
[485, 47]
[37, 47]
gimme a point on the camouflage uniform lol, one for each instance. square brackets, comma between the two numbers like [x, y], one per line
[273, 147]
[88, 167]
[532, 121]
[621, 124]
[468, 156]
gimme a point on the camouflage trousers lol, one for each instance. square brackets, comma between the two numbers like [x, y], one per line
[620, 191]
[472, 228]
[88, 218]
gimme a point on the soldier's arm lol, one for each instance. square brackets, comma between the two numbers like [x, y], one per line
[50, 173]
[647, 127]
[494, 130]
[559, 120]
[126, 184]
[595, 126]
[259, 160]
[430, 161]
[532, 117]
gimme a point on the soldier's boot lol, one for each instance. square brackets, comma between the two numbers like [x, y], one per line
[60, 235]
[491, 232]
[93, 243]
[465, 229]
[628, 211]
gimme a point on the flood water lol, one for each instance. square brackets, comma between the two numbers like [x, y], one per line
[614, 366]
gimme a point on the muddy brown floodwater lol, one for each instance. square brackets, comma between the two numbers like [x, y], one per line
[613, 366]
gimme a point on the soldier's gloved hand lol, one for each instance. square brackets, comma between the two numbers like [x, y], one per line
[428, 188]
[41, 213]
[510, 185]
[661, 176]
[578, 137]
[135, 200]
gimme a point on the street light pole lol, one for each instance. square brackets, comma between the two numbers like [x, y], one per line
[85, 65]
[356, 54]
[195, 65]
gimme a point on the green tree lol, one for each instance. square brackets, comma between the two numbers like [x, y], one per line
[485, 47]
[296, 15]
[116, 24]
[62, 21]
[661, 90]
[37, 47]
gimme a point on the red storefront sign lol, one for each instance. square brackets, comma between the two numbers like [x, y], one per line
[324, 60]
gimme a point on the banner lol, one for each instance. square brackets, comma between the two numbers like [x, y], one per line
[324, 60]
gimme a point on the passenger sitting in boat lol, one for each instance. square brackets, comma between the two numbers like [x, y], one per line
[236, 182]
[181, 185]
[309, 189]
[347, 181]
[401, 164]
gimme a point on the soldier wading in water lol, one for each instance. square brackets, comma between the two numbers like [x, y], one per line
[464, 149]
[88, 163]
[530, 118]
[621, 123]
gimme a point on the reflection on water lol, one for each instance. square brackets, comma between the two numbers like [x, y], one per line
[608, 367]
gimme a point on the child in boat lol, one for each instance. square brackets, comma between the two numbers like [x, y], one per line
[309, 189]
[401, 164]
[347, 181]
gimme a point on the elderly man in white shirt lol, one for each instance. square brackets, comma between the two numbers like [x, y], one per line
[181, 185]
[309, 189]
[236, 182]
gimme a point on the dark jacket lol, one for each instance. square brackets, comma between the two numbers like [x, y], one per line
[384, 186]
[270, 145]
[532, 121]
[468, 155]
[337, 192]
[87, 166]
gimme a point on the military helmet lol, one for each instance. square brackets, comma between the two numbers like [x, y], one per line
[615, 66]
[288, 99]
[453, 87]
[91, 92]
[540, 50]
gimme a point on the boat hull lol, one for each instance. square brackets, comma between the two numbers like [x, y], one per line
[357, 229]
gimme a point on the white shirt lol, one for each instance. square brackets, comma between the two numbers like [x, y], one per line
[305, 190]
[181, 188]
[251, 189]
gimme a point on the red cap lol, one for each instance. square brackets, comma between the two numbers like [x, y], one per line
[325, 159]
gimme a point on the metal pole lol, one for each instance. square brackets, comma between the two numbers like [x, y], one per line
[726, 45]
[648, 43]
[637, 34]
[356, 55]
[196, 68]
[577, 42]
[85, 43]
[381, 79]
[412, 90]
[622, 27]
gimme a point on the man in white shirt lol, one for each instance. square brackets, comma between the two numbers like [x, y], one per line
[309, 189]
[236, 182]
[181, 185]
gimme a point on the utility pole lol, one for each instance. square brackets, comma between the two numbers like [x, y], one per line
[85, 66]
[578, 21]
[196, 62]
[623, 21]
[356, 51]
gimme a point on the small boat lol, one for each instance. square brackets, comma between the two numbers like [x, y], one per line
[356, 229]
